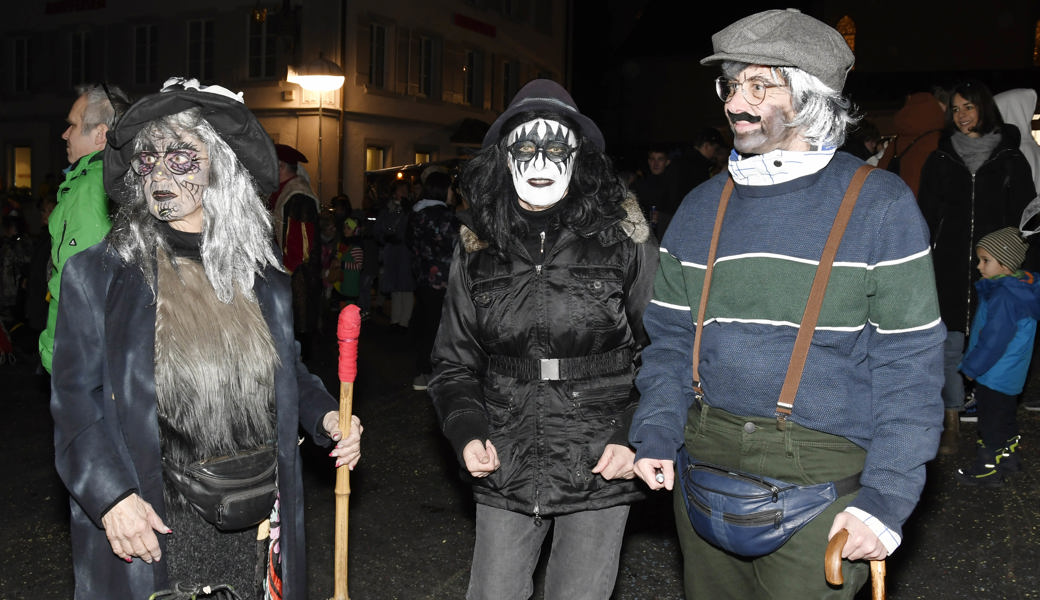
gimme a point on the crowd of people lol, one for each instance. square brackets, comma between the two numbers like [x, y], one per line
[816, 303]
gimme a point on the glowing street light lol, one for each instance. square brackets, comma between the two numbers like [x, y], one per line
[319, 75]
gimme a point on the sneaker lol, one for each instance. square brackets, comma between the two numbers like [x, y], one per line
[420, 382]
[1032, 405]
[1007, 458]
[969, 414]
[984, 471]
[985, 475]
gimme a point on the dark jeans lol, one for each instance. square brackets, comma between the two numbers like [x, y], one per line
[953, 386]
[583, 561]
[426, 319]
[997, 419]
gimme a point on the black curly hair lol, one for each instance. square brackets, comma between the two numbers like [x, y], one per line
[593, 198]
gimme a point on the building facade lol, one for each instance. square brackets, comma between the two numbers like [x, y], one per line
[422, 79]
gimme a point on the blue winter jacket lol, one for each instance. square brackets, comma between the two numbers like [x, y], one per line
[1001, 341]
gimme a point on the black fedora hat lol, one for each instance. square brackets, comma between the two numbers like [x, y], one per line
[545, 95]
[225, 111]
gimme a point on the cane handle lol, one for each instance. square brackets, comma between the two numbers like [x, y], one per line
[832, 559]
[832, 566]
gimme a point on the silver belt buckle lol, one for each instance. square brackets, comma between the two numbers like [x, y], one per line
[549, 369]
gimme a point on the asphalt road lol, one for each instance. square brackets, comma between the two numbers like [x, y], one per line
[411, 518]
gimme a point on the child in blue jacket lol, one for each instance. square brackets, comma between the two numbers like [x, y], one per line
[999, 350]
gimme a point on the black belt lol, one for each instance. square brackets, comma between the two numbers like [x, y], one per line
[847, 485]
[557, 369]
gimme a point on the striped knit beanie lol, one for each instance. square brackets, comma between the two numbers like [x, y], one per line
[1007, 246]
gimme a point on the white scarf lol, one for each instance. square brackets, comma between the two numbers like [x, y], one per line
[777, 166]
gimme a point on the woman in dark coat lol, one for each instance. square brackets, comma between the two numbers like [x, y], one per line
[174, 344]
[976, 182]
[538, 347]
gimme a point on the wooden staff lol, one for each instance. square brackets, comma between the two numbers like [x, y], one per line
[349, 327]
[832, 566]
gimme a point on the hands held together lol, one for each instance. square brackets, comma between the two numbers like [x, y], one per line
[481, 460]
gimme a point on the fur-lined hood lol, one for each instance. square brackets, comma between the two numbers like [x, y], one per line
[632, 226]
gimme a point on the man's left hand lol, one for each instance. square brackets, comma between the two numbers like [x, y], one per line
[616, 462]
[862, 543]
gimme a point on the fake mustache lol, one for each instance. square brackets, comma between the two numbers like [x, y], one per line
[734, 117]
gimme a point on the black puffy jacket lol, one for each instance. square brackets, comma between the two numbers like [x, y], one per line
[960, 208]
[501, 315]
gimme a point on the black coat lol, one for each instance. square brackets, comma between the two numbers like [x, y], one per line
[961, 208]
[106, 434]
[587, 297]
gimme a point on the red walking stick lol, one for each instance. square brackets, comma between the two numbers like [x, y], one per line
[347, 332]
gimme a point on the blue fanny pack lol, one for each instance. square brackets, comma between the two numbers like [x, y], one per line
[750, 515]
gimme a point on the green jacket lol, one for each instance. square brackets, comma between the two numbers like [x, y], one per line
[79, 221]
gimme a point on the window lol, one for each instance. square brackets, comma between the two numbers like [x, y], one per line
[375, 157]
[377, 56]
[473, 85]
[517, 10]
[20, 65]
[200, 49]
[510, 76]
[423, 157]
[79, 58]
[543, 16]
[261, 50]
[23, 167]
[1036, 45]
[427, 66]
[146, 64]
[847, 28]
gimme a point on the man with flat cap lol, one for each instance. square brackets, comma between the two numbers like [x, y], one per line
[294, 215]
[866, 413]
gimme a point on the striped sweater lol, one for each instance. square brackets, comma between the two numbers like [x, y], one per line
[874, 371]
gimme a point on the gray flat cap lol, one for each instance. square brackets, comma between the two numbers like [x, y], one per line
[785, 38]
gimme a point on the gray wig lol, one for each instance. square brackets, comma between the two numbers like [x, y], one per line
[236, 231]
[821, 113]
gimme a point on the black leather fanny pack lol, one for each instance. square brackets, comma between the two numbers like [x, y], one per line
[231, 492]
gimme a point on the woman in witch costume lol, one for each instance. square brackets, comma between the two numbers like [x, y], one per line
[175, 346]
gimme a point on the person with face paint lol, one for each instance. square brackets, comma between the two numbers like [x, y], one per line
[538, 345]
[868, 408]
[175, 349]
[975, 182]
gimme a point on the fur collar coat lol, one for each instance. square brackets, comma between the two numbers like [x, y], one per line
[106, 430]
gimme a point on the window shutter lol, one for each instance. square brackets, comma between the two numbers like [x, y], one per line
[364, 51]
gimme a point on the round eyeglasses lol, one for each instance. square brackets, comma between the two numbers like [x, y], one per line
[177, 162]
[555, 151]
[754, 89]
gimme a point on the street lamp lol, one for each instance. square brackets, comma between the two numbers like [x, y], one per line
[319, 75]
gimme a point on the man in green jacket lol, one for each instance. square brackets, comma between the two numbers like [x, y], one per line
[80, 219]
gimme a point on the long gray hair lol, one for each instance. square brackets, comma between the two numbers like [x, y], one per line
[821, 113]
[236, 228]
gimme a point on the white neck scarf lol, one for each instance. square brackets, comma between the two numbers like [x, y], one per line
[777, 166]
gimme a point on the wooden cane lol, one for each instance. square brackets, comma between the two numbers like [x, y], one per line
[347, 331]
[832, 566]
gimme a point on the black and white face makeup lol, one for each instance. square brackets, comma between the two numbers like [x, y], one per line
[174, 172]
[541, 160]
